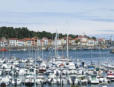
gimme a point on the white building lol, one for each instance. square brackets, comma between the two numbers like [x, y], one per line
[39, 42]
[27, 42]
[91, 42]
[59, 42]
[45, 41]
[13, 42]
[63, 41]
[3, 44]
[20, 43]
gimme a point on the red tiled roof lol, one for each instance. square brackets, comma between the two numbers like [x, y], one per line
[21, 40]
[100, 39]
[13, 38]
[76, 39]
[25, 39]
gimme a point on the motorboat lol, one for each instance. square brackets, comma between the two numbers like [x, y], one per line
[93, 79]
[29, 80]
[110, 75]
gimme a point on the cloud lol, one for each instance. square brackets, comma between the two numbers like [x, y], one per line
[73, 16]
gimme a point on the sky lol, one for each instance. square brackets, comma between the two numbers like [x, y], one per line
[90, 17]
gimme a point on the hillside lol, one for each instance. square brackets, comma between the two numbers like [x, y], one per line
[24, 32]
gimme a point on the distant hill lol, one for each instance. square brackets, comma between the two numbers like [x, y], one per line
[23, 32]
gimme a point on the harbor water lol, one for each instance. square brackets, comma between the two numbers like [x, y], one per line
[96, 56]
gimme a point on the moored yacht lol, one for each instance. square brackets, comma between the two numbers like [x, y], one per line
[110, 75]
[29, 80]
[93, 79]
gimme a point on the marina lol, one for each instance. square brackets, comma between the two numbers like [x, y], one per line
[83, 68]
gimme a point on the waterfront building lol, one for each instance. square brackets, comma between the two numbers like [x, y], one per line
[69, 40]
[63, 41]
[27, 42]
[20, 43]
[38, 42]
[59, 43]
[45, 41]
[109, 43]
[75, 41]
[101, 42]
[50, 42]
[91, 43]
[13, 42]
[3, 42]
[42, 43]
[81, 41]
[34, 41]
[96, 42]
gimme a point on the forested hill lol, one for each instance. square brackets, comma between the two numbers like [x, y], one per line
[23, 32]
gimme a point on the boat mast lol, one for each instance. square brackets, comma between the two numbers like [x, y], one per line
[110, 40]
[67, 48]
[35, 67]
[56, 45]
[42, 50]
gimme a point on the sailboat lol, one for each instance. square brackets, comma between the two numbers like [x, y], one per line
[42, 63]
[61, 66]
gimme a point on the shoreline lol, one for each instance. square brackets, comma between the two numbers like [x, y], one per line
[50, 48]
